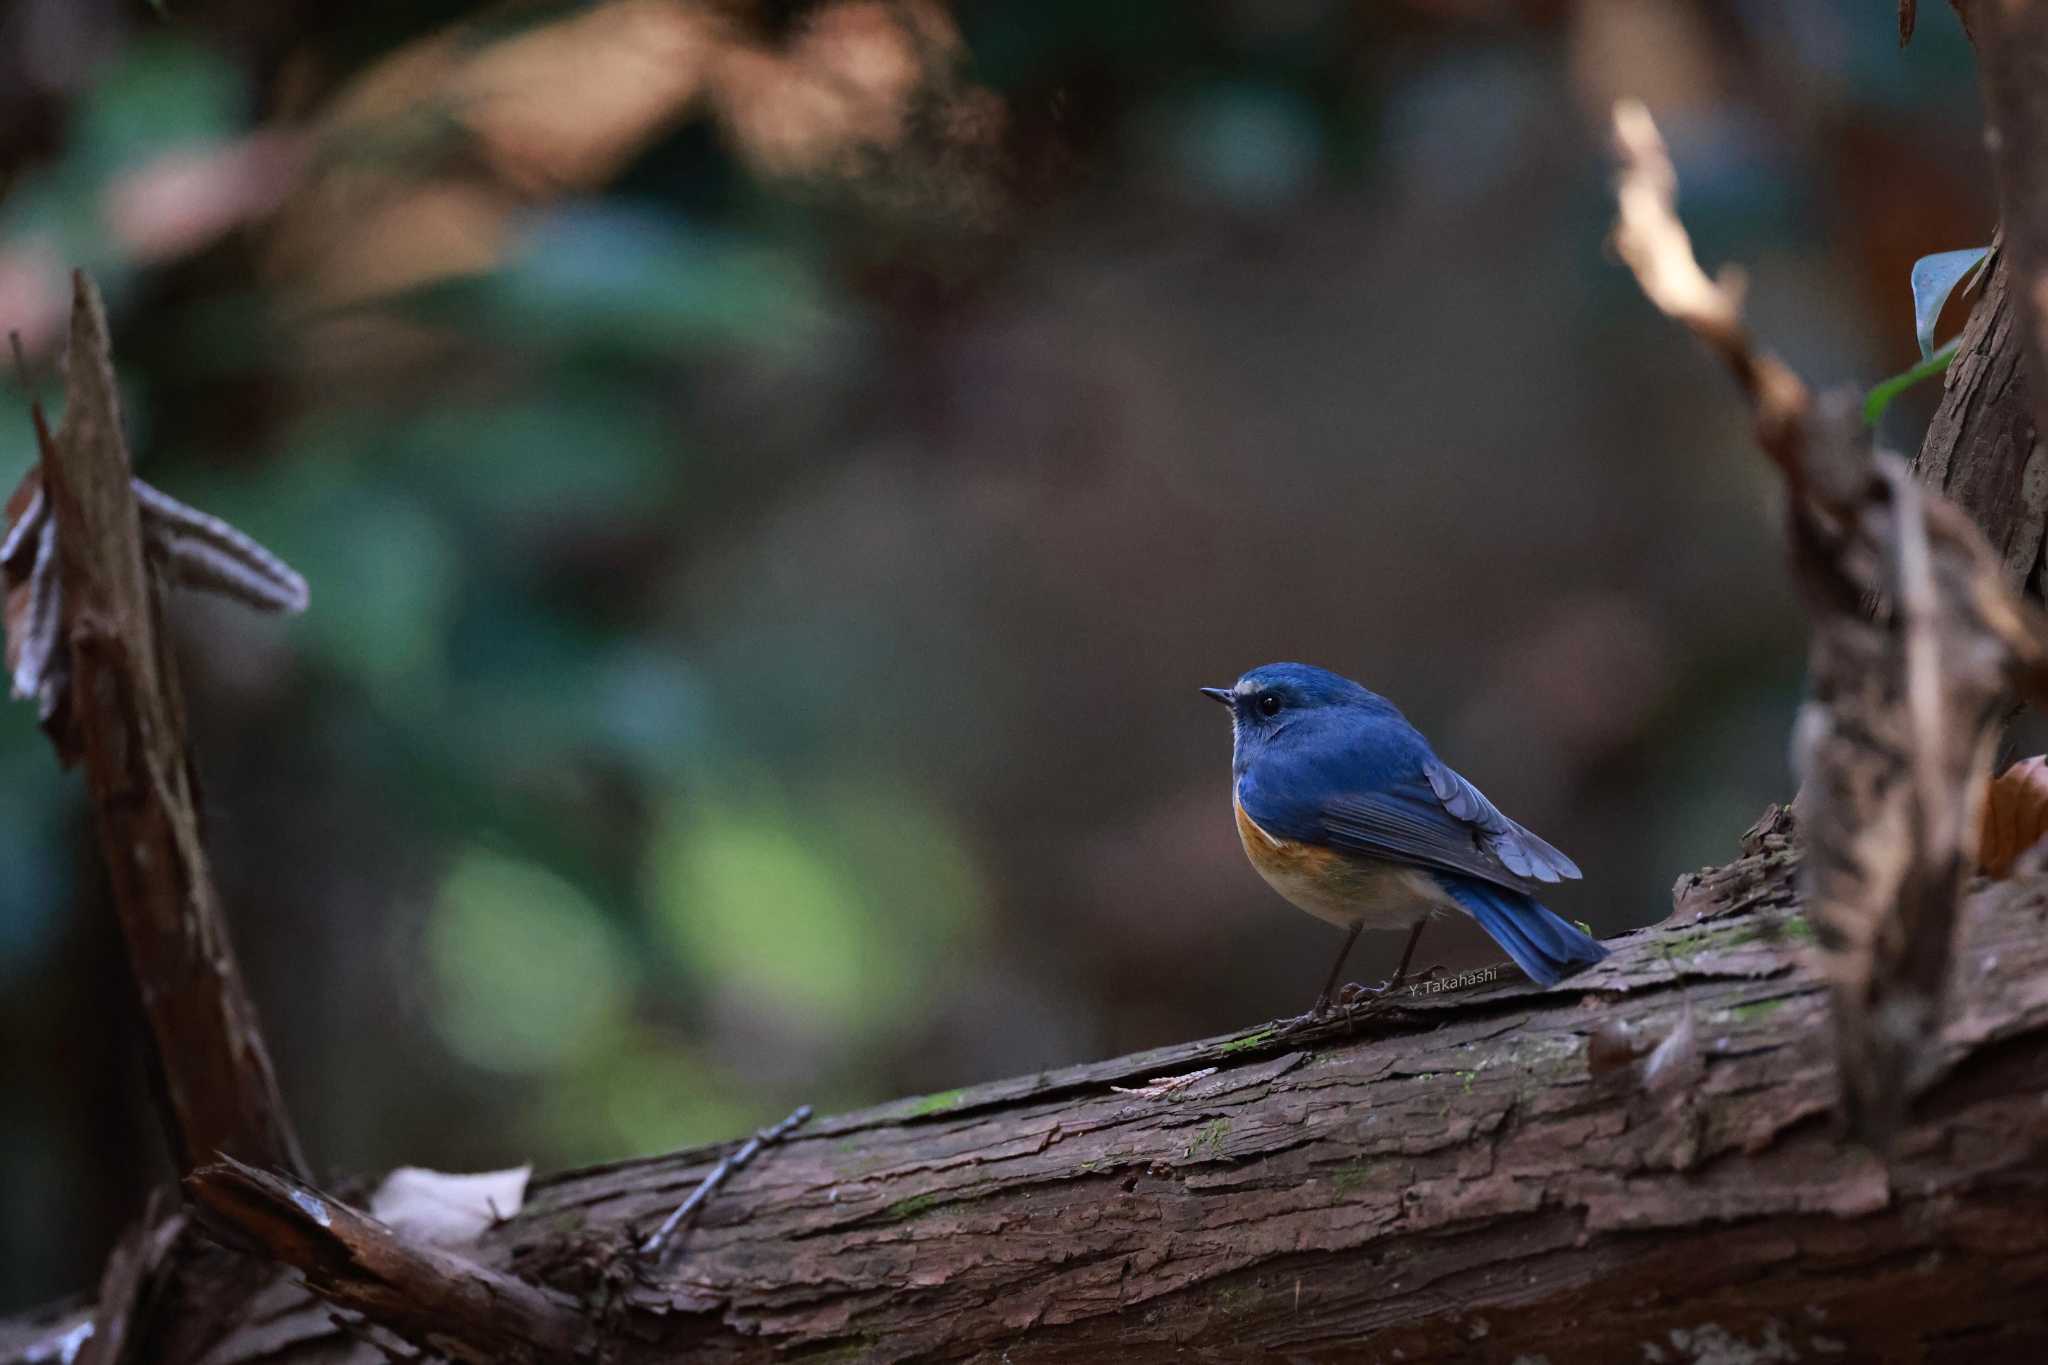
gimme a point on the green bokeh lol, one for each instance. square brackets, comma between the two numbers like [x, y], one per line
[837, 910]
[528, 975]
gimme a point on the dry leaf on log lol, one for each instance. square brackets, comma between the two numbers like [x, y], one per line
[2015, 815]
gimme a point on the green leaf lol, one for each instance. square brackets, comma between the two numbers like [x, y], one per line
[1934, 279]
[1884, 391]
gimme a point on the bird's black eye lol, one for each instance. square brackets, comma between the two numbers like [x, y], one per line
[1269, 705]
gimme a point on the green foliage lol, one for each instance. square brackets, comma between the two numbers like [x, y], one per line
[838, 910]
[1251, 146]
[528, 976]
[162, 94]
[1882, 393]
[643, 1093]
[610, 280]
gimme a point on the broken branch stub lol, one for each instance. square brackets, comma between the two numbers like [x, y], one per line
[425, 1294]
[91, 623]
[1894, 748]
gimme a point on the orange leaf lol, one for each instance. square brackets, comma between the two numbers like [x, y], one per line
[2015, 815]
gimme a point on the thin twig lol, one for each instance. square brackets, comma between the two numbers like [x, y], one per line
[1655, 245]
[767, 1137]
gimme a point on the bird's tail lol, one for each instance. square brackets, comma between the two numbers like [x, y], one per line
[1544, 946]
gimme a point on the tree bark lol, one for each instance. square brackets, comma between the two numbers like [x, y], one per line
[1638, 1162]
[2012, 52]
[1981, 448]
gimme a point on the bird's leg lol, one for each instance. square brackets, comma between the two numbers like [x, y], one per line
[1323, 1001]
[1407, 955]
[1322, 1005]
[1330, 987]
[1386, 988]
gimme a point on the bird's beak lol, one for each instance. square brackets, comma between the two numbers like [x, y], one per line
[1222, 694]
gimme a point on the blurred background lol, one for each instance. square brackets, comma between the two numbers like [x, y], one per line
[773, 474]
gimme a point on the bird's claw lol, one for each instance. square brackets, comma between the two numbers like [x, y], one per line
[1302, 1022]
[1353, 1001]
[1355, 994]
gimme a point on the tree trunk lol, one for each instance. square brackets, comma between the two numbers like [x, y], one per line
[1638, 1165]
[1980, 448]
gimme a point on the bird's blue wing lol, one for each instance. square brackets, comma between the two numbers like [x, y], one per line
[1394, 799]
[1521, 852]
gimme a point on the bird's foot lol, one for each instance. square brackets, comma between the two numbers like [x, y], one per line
[1303, 1022]
[1354, 994]
[1354, 1001]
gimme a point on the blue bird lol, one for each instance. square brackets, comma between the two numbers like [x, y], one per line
[1346, 811]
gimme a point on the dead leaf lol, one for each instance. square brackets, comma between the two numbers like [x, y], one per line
[447, 1210]
[426, 158]
[2015, 815]
[1610, 1047]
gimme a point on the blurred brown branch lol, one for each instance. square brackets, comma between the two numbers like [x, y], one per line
[1894, 750]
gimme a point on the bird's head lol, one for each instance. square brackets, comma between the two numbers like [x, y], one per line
[1277, 697]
